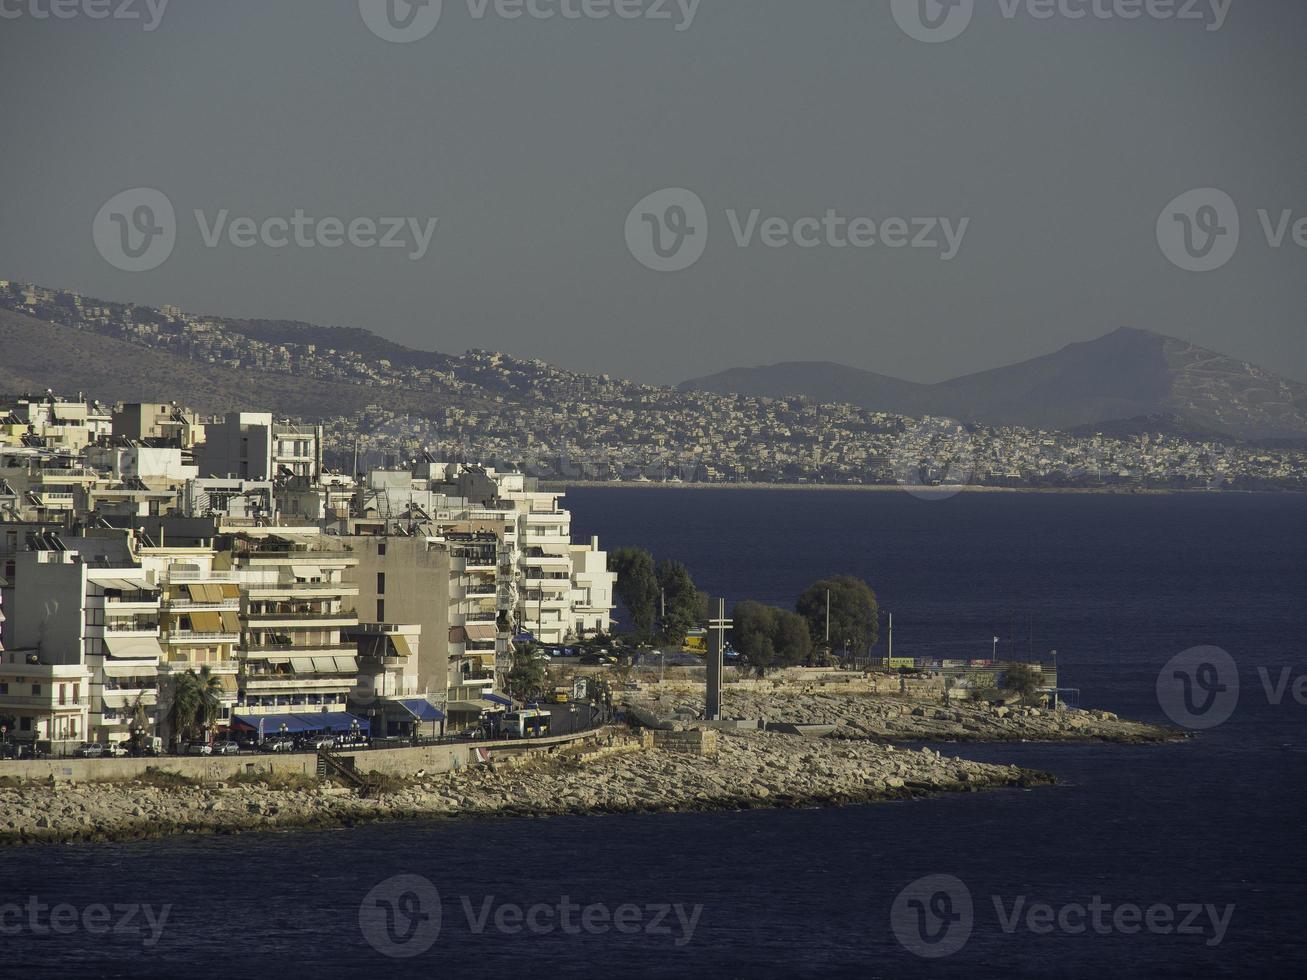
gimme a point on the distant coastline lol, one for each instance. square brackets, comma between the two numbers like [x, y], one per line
[552, 485]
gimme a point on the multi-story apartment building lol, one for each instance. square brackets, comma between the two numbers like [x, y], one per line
[88, 604]
[157, 422]
[43, 704]
[200, 627]
[252, 446]
[388, 693]
[296, 603]
[401, 579]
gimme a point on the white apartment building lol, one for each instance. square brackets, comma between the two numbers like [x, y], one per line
[253, 446]
[296, 604]
[87, 604]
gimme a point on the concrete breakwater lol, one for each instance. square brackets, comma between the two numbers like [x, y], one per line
[693, 771]
[892, 718]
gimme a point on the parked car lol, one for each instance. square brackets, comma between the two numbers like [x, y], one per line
[279, 745]
[117, 750]
[351, 740]
[226, 748]
[312, 743]
[597, 660]
[199, 748]
[89, 750]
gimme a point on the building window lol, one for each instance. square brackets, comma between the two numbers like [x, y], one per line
[36, 690]
[25, 724]
[381, 549]
[381, 583]
[4, 688]
[381, 610]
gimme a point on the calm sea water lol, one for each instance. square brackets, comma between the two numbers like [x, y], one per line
[1116, 584]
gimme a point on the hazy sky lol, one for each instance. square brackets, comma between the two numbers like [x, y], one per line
[1059, 141]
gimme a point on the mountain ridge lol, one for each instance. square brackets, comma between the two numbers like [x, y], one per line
[1129, 377]
[1129, 373]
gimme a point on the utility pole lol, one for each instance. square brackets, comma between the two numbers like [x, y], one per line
[828, 619]
[717, 628]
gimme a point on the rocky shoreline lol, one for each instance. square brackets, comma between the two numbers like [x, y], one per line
[889, 718]
[741, 771]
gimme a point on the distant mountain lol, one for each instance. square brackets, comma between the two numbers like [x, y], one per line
[1126, 376]
[37, 354]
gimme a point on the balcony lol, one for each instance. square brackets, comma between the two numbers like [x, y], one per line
[126, 627]
[291, 618]
[182, 666]
[183, 575]
[303, 650]
[193, 604]
[193, 636]
[552, 585]
[27, 701]
[273, 684]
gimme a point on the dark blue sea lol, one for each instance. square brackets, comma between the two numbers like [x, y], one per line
[1206, 835]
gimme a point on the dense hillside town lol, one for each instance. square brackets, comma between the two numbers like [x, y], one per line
[562, 425]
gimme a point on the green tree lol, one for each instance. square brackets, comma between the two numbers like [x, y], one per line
[196, 701]
[854, 619]
[680, 601]
[752, 631]
[637, 586]
[1022, 679]
[528, 676]
[791, 639]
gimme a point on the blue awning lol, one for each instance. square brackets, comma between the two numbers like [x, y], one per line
[422, 709]
[296, 724]
[497, 699]
[524, 638]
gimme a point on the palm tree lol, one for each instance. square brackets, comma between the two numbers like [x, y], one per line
[140, 722]
[196, 700]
